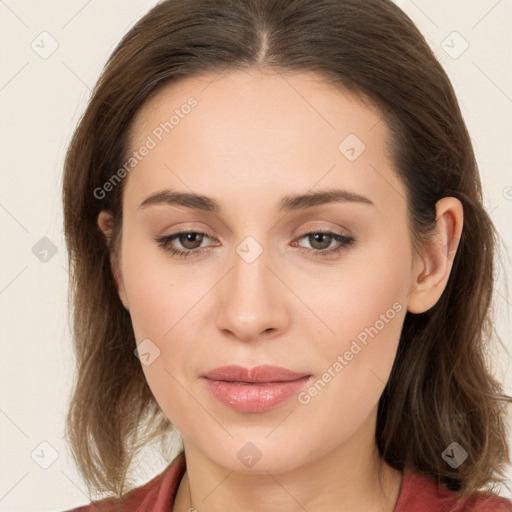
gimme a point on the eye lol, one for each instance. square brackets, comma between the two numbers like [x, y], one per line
[320, 241]
[190, 240]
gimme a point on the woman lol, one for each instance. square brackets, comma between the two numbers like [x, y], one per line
[279, 250]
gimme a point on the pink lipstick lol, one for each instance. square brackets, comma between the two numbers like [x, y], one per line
[255, 389]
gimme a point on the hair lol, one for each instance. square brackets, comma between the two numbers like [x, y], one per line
[441, 388]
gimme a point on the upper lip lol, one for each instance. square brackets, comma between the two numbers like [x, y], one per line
[262, 373]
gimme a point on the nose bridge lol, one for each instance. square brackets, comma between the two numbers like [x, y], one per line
[250, 280]
[250, 302]
[250, 273]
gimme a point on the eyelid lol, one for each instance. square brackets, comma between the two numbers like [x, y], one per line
[337, 229]
[302, 232]
[187, 228]
[344, 243]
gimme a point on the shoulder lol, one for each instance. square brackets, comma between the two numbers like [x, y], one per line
[156, 495]
[421, 493]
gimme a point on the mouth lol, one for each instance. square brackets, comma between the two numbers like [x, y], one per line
[255, 389]
[259, 374]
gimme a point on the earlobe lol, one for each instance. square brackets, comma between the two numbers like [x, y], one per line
[432, 269]
[106, 224]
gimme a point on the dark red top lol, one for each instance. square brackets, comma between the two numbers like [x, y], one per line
[419, 493]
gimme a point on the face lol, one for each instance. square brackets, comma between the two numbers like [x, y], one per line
[317, 286]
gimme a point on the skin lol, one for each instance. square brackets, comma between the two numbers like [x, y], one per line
[254, 137]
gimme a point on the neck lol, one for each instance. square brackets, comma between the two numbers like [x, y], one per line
[351, 477]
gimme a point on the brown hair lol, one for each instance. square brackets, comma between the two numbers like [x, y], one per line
[440, 389]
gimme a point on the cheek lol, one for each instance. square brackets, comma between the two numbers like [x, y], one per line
[364, 305]
[367, 292]
[159, 293]
[160, 300]
[365, 308]
[149, 301]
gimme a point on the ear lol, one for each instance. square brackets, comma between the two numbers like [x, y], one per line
[431, 270]
[106, 224]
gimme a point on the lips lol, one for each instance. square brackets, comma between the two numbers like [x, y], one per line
[263, 373]
[255, 389]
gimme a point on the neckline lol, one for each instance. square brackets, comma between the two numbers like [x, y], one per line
[178, 467]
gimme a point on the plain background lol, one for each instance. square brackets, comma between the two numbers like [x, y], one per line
[41, 100]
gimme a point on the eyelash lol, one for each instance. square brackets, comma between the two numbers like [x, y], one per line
[344, 241]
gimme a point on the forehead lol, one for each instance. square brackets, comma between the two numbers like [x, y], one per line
[260, 131]
[259, 97]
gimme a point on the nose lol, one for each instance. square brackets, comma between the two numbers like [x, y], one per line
[252, 300]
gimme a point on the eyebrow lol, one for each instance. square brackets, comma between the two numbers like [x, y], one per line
[287, 203]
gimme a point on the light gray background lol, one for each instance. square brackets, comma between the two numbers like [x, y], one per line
[41, 100]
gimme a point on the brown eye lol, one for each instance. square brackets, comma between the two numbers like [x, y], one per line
[190, 240]
[188, 243]
[184, 243]
[320, 240]
[321, 243]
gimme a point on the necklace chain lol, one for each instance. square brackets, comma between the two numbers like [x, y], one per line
[191, 508]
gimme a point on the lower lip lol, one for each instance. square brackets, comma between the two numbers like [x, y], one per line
[255, 397]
